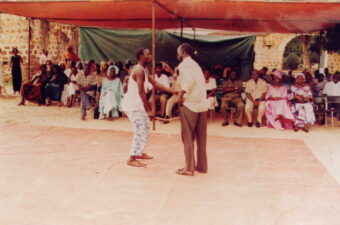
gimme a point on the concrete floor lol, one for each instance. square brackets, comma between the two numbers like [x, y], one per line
[56, 169]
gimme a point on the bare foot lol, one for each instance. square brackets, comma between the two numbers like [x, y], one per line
[135, 163]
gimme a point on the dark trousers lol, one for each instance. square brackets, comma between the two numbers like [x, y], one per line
[194, 127]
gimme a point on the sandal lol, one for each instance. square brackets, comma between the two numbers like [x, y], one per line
[144, 156]
[135, 163]
[185, 172]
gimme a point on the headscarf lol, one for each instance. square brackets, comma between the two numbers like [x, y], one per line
[278, 74]
[300, 74]
[116, 70]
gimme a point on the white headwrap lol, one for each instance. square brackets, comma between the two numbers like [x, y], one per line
[278, 74]
[299, 74]
[116, 70]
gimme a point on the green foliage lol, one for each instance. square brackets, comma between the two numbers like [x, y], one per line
[294, 46]
[327, 41]
[291, 62]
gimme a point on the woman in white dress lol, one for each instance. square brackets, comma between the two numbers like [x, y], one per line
[71, 87]
[111, 94]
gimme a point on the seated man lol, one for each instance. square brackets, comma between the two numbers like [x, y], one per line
[232, 89]
[162, 97]
[87, 87]
[332, 88]
[173, 99]
[33, 90]
[256, 89]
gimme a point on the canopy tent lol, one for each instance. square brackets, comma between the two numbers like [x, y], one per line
[282, 17]
[119, 45]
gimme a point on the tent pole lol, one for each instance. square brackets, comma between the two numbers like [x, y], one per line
[29, 49]
[153, 60]
[182, 23]
[193, 44]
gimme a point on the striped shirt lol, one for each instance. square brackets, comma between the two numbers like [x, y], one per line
[85, 81]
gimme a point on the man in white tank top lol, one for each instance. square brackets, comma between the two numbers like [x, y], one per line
[135, 104]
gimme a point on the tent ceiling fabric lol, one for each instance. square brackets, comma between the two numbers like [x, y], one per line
[282, 17]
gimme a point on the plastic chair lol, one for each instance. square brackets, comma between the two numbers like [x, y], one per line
[331, 100]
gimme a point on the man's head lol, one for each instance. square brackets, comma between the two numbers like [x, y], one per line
[265, 70]
[321, 77]
[184, 50]
[158, 69]
[70, 49]
[255, 75]
[15, 51]
[45, 51]
[232, 75]
[206, 74]
[144, 56]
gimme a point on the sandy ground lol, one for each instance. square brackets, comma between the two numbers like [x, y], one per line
[323, 141]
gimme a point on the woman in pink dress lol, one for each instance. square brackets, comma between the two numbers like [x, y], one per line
[278, 111]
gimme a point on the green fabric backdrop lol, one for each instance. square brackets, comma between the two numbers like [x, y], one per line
[119, 45]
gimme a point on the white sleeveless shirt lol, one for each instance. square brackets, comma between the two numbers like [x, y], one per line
[131, 100]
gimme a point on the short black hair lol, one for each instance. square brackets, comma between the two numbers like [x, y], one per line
[187, 48]
[140, 52]
[159, 65]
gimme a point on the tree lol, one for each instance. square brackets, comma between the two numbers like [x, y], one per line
[327, 40]
[292, 61]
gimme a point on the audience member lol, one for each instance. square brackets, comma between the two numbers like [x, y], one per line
[232, 88]
[302, 103]
[71, 87]
[278, 112]
[55, 85]
[33, 90]
[44, 57]
[256, 89]
[87, 87]
[111, 94]
[211, 90]
[70, 55]
[161, 96]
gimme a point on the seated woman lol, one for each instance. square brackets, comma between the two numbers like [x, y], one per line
[111, 94]
[33, 90]
[278, 112]
[211, 90]
[55, 85]
[302, 103]
[71, 87]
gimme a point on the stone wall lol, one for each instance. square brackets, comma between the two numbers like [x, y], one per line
[42, 34]
[52, 36]
[334, 62]
[269, 49]
[14, 34]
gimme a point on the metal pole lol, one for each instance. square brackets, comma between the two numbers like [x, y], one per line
[153, 59]
[29, 50]
[182, 24]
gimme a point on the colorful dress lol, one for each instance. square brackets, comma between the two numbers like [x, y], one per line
[303, 112]
[110, 97]
[280, 108]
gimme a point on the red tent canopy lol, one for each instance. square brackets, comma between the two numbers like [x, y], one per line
[282, 17]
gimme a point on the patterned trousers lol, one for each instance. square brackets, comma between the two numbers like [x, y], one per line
[141, 122]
